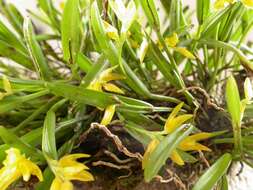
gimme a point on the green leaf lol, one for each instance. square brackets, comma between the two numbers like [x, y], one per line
[214, 173]
[84, 62]
[70, 30]
[233, 100]
[10, 103]
[49, 129]
[187, 157]
[9, 37]
[203, 10]
[100, 99]
[175, 15]
[13, 15]
[48, 8]
[35, 51]
[15, 55]
[164, 149]
[12, 140]
[48, 137]
[150, 11]
[140, 134]
[212, 21]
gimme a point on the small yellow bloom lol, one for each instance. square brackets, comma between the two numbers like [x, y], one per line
[175, 157]
[67, 169]
[172, 42]
[175, 121]
[7, 88]
[191, 142]
[16, 166]
[102, 82]
[112, 88]
[184, 52]
[108, 115]
[111, 31]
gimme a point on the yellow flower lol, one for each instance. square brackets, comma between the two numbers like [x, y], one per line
[175, 121]
[6, 87]
[67, 169]
[175, 157]
[172, 42]
[102, 82]
[108, 115]
[16, 166]
[111, 31]
[190, 143]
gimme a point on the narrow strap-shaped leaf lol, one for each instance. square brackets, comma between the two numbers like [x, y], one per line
[84, 62]
[203, 10]
[35, 51]
[48, 137]
[214, 173]
[212, 21]
[48, 134]
[150, 11]
[10, 103]
[70, 30]
[48, 8]
[12, 140]
[13, 15]
[235, 110]
[165, 148]
[10, 38]
[15, 55]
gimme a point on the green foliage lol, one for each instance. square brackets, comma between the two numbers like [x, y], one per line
[54, 83]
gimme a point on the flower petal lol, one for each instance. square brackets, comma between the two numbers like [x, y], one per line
[7, 176]
[28, 168]
[108, 115]
[72, 157]
[13, 154]
[175, 157]
[172, 40]
[82, 176]
[111, 31]
[172, 124]
[58, 184]
[107, 75]
[184, 52]
[200, 136]
[112, 88]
